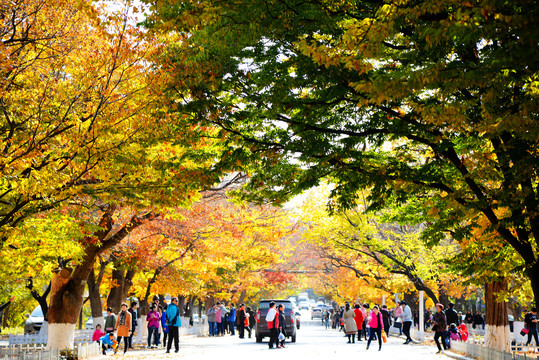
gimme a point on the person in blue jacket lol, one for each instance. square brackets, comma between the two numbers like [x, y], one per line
[232, 320]
[106, 341]
[174, 322]
[164, 325]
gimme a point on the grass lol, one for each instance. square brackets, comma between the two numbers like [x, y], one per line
[18, 330]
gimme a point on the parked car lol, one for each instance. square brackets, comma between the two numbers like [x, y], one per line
[261, 329]
[34, 322]
[317, 312]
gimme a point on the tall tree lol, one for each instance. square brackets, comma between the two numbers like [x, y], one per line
[434, 102]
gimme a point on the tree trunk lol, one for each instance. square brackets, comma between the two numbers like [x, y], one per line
[95, 300]
[123, 280]
[115, 299]
[497, 335]
[68, 284]
[533, 275]
[181, 305]
[190, 305]
[242, 297]
[41, 299]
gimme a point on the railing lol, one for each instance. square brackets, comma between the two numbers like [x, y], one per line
[40, 352]
[481, 352]
[81, 337]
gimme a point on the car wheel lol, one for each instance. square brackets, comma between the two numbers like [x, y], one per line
[294, 338]
[258, 339]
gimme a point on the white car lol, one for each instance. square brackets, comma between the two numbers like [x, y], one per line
[34, 321]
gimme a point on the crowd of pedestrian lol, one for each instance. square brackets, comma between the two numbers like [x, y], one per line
[161, 319]
[357, 321]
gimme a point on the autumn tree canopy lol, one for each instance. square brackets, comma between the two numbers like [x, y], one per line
[428, 104]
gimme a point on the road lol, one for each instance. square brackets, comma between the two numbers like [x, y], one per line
[313, 342]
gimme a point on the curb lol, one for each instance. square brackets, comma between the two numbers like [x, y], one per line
[451, 354]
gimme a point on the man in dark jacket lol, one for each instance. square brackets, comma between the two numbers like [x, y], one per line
[240, 317]
[452, 316]
[478, 321]
[134, 323]
[439, 327]
[530, 320]
[386, 316]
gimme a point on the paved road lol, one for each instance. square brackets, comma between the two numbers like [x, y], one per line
[313, 342]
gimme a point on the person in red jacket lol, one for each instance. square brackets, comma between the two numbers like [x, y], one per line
[272, 318]
[359, 321]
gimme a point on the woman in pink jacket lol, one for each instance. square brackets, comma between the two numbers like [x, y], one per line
[153, 319]
[376, 325]
[218, 320]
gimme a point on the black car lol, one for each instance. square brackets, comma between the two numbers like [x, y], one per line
[262, 330]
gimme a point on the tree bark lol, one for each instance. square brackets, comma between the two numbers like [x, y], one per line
[242, 297]
[497, 335]
[68, 283]
[533, 275]
[181, 305]
[123, 280]
[95, 296]
[190, 305]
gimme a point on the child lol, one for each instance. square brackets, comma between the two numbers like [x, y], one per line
[454, 333]
[97, 333]
[106, 340]
[463, 332]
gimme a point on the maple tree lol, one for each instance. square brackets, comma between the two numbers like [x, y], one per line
[84, 133]
[384, 255]
[428, 104]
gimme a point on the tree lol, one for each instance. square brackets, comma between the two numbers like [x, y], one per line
[386, 255]
[84, 133]
[431, 102]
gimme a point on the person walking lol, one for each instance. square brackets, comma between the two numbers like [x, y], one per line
[240, 318]
[439, 326]
[174, 323]
[159, 309]
[359, 321]
[398, 321]
[376, 324]
[282, 326]
[210, 315]
[530, 320]
[468, 318]
[451, 315]
[272, 318]
[153, 318]
[164, 325]
[350, 327]
[218, 319]
[478, 320]
[386, 316]
[224, 319]
[134, 322]
[252, 320]
[110, 321]
[365, 310]
[123, 327]
[406, 317]
[232, 320]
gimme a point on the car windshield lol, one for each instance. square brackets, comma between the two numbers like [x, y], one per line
[37, 312]
[287, 305]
